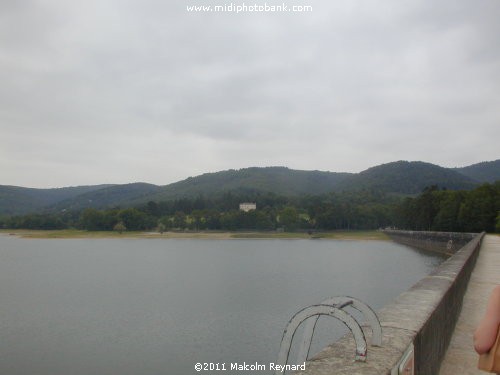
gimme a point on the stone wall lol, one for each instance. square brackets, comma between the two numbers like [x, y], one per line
[443, 242]
[424, 316]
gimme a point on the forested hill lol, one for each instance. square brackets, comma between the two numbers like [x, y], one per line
[16, 200]
[278, 180]
[108, 197]
[400, 177]
[487, 171]
[405, 177]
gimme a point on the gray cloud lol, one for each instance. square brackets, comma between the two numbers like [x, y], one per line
[121, 91]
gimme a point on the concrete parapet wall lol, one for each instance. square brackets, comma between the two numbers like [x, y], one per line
[424, 316]
[442, 242]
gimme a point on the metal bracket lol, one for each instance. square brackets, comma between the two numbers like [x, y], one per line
[406, 365]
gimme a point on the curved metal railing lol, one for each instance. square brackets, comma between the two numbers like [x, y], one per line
[340, 302]
[333, 307]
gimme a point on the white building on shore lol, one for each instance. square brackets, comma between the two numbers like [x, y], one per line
[247, 206]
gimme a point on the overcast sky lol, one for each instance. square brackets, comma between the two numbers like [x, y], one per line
[118, 91]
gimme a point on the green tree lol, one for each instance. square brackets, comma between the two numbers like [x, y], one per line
[198, 219]
[92, 219]
[427, 207]
[119, 227]
[153, 209]
[446, 219]
[213, 219]
[179, 220]
[479, 210]
[133, 219]
[161, 227]
[263, 221]
[109, 219]
[289, 218]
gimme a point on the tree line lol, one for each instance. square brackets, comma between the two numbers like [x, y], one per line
[452, 211]
[434, 209]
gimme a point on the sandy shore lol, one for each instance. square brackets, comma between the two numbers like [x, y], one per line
[216, 235]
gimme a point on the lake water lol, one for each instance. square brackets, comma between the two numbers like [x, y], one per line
[151, 307]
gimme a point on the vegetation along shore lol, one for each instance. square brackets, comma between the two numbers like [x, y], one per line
[404, 195]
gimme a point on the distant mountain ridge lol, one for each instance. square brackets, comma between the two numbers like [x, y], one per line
[16, 200]
[279, 180]
[115, 195]
[401, 177]
[406, 177]
[486, 171]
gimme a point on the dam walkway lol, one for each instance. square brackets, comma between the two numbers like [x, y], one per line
[460, 357]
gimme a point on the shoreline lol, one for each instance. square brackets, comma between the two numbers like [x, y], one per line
[215, 235]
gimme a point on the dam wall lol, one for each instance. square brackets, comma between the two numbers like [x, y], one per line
[443, 242]
[417, 326]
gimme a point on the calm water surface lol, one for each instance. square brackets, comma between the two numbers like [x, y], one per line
[151, 307]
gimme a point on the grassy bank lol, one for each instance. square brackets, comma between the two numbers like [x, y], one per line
[73, 233]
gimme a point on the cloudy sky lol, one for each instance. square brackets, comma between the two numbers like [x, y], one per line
[118, 91]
